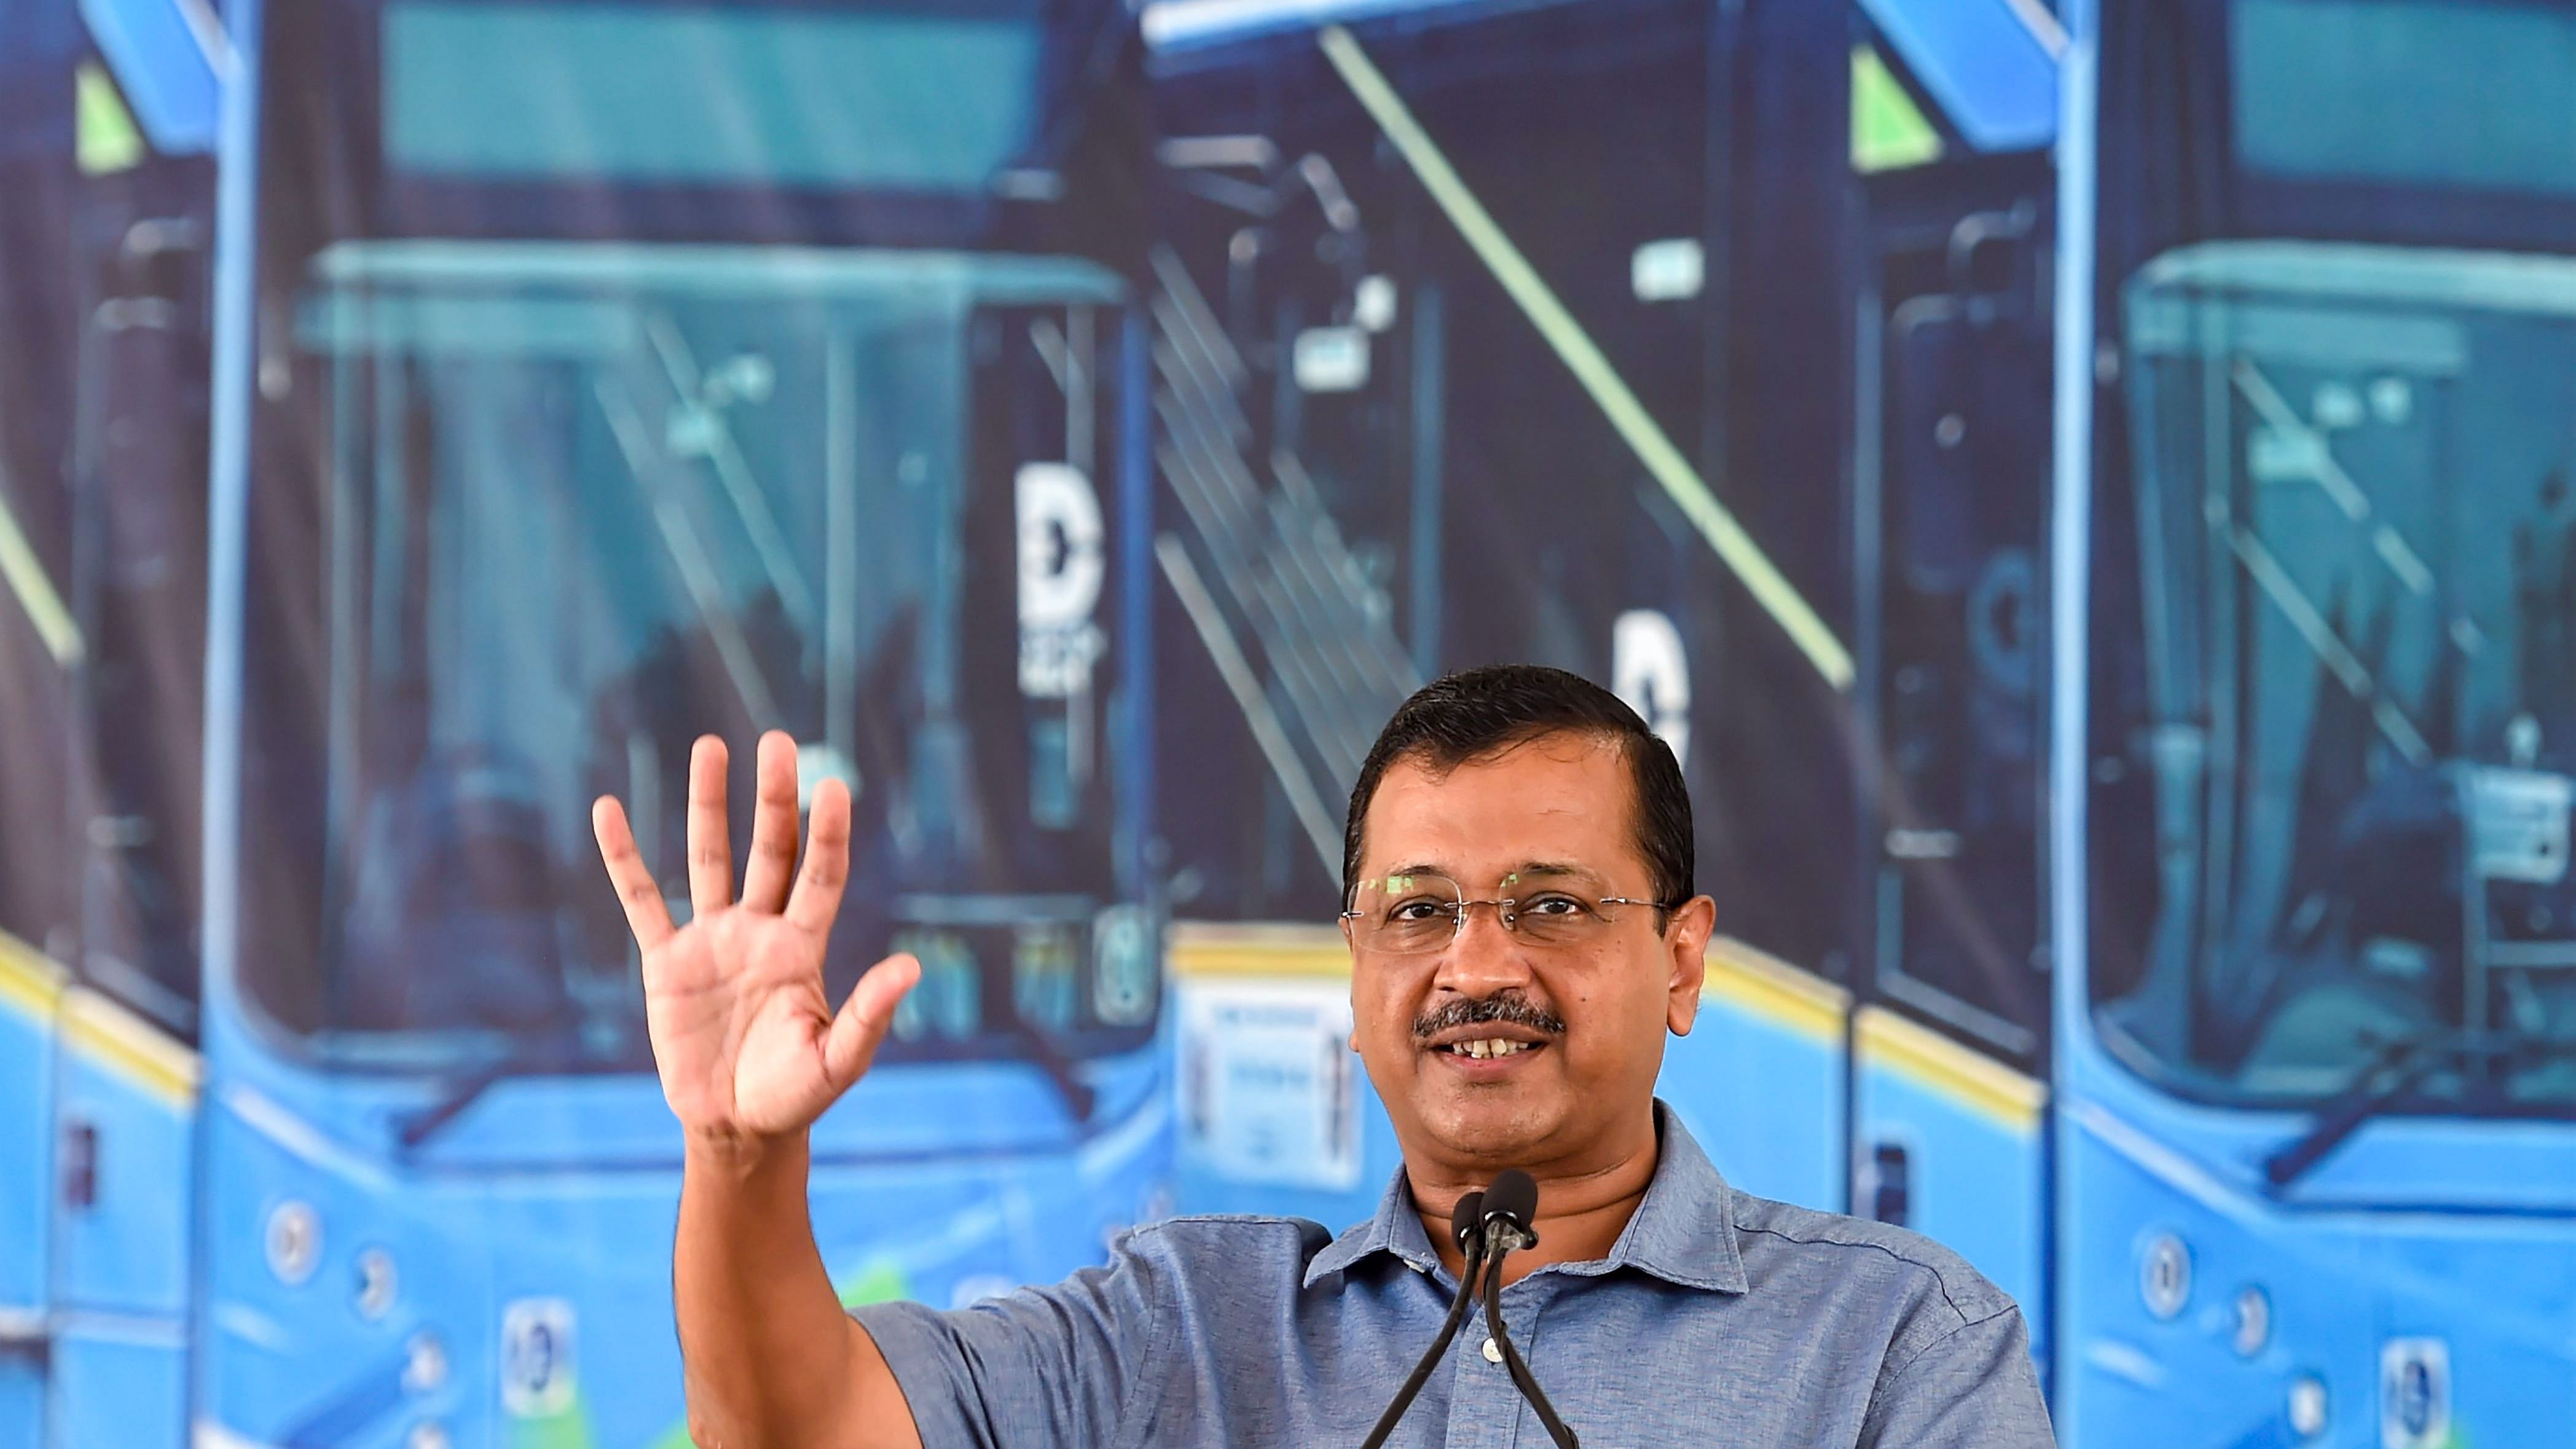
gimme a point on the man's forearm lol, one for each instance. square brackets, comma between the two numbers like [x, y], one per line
[770, 1357]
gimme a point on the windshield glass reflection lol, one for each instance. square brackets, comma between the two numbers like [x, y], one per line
[2357, 546]
[585, 503]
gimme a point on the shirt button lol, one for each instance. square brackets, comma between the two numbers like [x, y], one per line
[1493, 1351]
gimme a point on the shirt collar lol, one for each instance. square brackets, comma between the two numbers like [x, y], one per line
[1682, 1232]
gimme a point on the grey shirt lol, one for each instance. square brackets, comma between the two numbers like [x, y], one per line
[1718, 1318]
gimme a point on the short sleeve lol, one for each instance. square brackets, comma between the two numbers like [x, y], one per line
[1972, 1388]
[1038, 1366]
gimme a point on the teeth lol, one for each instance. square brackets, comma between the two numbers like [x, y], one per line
[1491, 1047]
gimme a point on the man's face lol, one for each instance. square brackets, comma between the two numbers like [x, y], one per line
[1555, 814]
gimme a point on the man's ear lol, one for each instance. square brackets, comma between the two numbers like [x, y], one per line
[1686, 946]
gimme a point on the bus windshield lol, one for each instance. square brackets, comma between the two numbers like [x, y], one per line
[2355, 497]
[624, 373]
[585, 502]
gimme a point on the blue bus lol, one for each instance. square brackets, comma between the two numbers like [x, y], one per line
[1776, 246]
[2197, 953]
[1423, 434]
[104, 349]
[2315, 1169]
[582, 377]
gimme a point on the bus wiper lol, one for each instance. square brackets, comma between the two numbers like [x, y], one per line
[2395, 1071]
[560, 1053]
[1049, 1058]
[546, 1055]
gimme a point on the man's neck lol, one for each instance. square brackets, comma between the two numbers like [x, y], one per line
[1583, 1207]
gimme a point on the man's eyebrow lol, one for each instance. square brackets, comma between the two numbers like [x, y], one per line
[1551, 868]
[1555, 867]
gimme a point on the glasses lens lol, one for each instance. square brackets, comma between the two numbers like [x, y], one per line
[1404, 915]
[1558, 917]
[1412, 915]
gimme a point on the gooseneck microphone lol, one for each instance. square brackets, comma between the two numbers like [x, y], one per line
[1510, 1206]
[1467, 1229]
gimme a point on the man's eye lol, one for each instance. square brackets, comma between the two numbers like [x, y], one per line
[1416, 911]
[1552, 906]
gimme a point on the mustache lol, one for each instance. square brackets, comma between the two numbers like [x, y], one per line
[1509, 1006]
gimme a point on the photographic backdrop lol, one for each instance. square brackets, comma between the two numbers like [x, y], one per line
[2082, 486]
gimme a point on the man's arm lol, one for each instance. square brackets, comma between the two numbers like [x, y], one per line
[750, 1053]
[770, 1356]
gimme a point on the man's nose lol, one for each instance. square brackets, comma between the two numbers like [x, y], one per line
[1483, 957]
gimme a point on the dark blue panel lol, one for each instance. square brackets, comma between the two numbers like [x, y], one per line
[36, 76]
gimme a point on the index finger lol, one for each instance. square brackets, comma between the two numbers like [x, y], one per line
[646, 914]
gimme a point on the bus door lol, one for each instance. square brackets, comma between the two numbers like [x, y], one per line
[1947, 1106]
[125, 1083]
[38, 649]
[1062, 949]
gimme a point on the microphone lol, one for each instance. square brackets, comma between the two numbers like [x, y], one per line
[1510, 1206]
[1467, 1228]
[1467, 1222]
[1511, 1202]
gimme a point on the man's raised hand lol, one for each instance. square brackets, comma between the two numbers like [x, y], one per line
[748, 1046]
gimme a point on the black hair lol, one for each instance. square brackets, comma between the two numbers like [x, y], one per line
[1477, 713]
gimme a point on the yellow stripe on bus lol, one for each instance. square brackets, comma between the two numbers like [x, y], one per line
[29, 980]
[1200, 950]
[1940, 1065]
[94, 1028]
[1763, 985]
[24, 573]
[104, 1033]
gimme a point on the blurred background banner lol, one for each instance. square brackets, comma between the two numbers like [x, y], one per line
[2083, 486]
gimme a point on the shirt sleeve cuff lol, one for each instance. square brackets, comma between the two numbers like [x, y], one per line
[924, 1357]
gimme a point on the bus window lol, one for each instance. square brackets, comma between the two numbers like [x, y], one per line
[674, 378]
[2355, 529]
[586, 506]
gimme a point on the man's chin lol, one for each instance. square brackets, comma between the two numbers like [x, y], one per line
[1501, 1128]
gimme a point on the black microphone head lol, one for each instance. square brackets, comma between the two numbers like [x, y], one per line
[1466, 1218]
[1513, 1197]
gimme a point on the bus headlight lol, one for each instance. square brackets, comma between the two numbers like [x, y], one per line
[2164, 1276]
[1124, 973]
[294, 1241]
[2308, 1406]
[425, 1364]
[377, 1282]
[2253, 1322]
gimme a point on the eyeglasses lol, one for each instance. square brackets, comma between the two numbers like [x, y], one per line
[1417, 915]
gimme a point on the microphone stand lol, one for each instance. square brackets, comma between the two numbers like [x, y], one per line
[1509, 1207]
[1466, 1225]
[1521, 1375]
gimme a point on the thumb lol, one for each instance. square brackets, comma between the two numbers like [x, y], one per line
[862, 1020]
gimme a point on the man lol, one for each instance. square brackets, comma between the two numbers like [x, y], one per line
[1523, 931]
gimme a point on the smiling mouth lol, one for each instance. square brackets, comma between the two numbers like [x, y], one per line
[1488, 1047]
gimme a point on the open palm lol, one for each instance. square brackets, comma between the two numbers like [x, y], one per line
[747, 1044]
